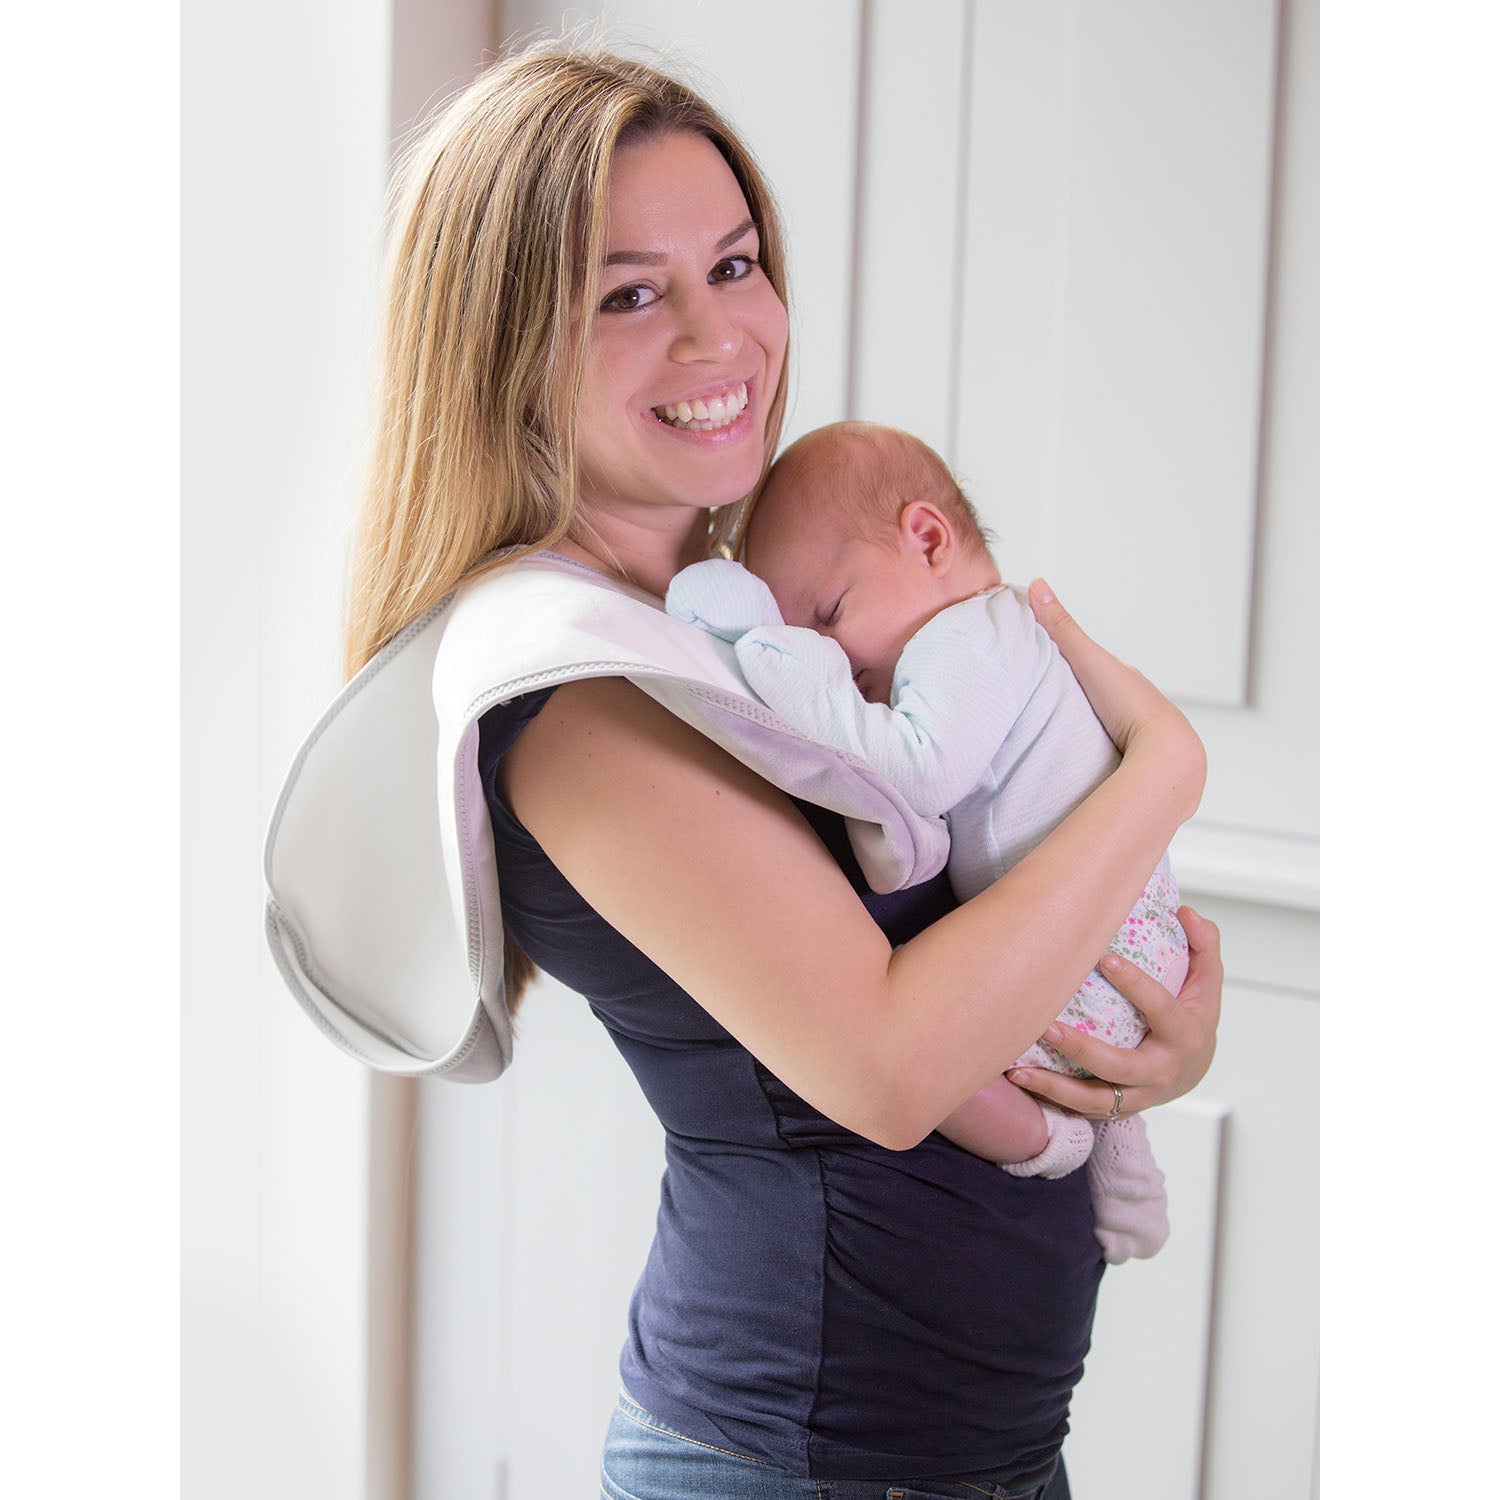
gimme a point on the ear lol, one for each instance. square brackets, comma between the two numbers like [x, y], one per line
[925, 529]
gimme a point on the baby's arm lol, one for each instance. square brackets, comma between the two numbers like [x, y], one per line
[953, 703]
[724, 598]
[1001, 1123]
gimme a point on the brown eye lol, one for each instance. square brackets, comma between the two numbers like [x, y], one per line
[733, 268]
[628, 299]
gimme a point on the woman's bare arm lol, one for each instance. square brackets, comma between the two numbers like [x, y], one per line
[1179, 1047]
[714, 875]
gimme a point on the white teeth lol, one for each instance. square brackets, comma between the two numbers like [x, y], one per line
[706, 414]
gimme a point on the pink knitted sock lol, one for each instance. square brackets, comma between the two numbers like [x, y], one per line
[1129, 1192]
[1070, 1138]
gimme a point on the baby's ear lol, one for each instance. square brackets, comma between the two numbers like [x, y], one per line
[925, 529]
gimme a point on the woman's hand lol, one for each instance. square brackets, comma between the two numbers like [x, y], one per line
[1138, 718]
[1171, 1059]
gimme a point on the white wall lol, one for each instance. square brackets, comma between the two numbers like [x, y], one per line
[286, 112]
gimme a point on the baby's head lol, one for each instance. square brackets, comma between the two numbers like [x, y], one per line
[863, 534]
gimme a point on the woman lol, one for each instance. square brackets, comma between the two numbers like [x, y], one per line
[586, 352]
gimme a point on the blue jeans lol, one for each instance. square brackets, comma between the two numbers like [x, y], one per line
[646, 1460]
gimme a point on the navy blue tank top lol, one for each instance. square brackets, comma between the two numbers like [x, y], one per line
[812, 1299]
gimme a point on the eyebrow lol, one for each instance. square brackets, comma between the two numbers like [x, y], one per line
[656, 258]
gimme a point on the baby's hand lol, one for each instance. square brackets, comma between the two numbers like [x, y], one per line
[795, 670]
[722, 598]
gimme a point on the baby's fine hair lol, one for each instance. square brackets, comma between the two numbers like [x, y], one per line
[866, 474]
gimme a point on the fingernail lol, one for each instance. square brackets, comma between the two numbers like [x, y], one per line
[1043, 591]
[1019, 1076]
[1188, 911]
[1054, 1033]
[1110, 963]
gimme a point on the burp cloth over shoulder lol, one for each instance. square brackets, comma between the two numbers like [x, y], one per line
[383, 911]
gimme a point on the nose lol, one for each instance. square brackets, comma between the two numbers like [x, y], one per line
[706, 328]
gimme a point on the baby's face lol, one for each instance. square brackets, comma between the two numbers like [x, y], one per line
[871, 597]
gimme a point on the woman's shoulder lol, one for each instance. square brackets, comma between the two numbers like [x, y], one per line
[544, 619]
[500, 725]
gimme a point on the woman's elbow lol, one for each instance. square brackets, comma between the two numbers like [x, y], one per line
[904, 1139]
[890, 1135]
[1189, 770]
[893, 1119]
[1194, 773]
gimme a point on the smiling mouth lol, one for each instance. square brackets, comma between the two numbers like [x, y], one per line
[705, 414]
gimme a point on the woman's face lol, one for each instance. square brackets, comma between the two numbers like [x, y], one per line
[688, 344]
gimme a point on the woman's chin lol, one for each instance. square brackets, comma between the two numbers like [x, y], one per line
[712, 476]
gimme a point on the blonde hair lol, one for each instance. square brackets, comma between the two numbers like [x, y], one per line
[497, 242]
[499, 215]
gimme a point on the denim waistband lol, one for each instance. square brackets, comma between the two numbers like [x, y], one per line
[648, 1457]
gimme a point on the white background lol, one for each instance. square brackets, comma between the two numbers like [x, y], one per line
[1410, 469]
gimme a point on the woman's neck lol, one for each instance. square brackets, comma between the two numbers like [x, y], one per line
[646, 555]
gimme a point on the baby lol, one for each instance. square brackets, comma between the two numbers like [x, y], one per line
[922, 664]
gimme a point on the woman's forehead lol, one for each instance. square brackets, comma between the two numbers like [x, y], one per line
[676, 182]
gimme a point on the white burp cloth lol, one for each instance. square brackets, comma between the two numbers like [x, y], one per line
[383, 908]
